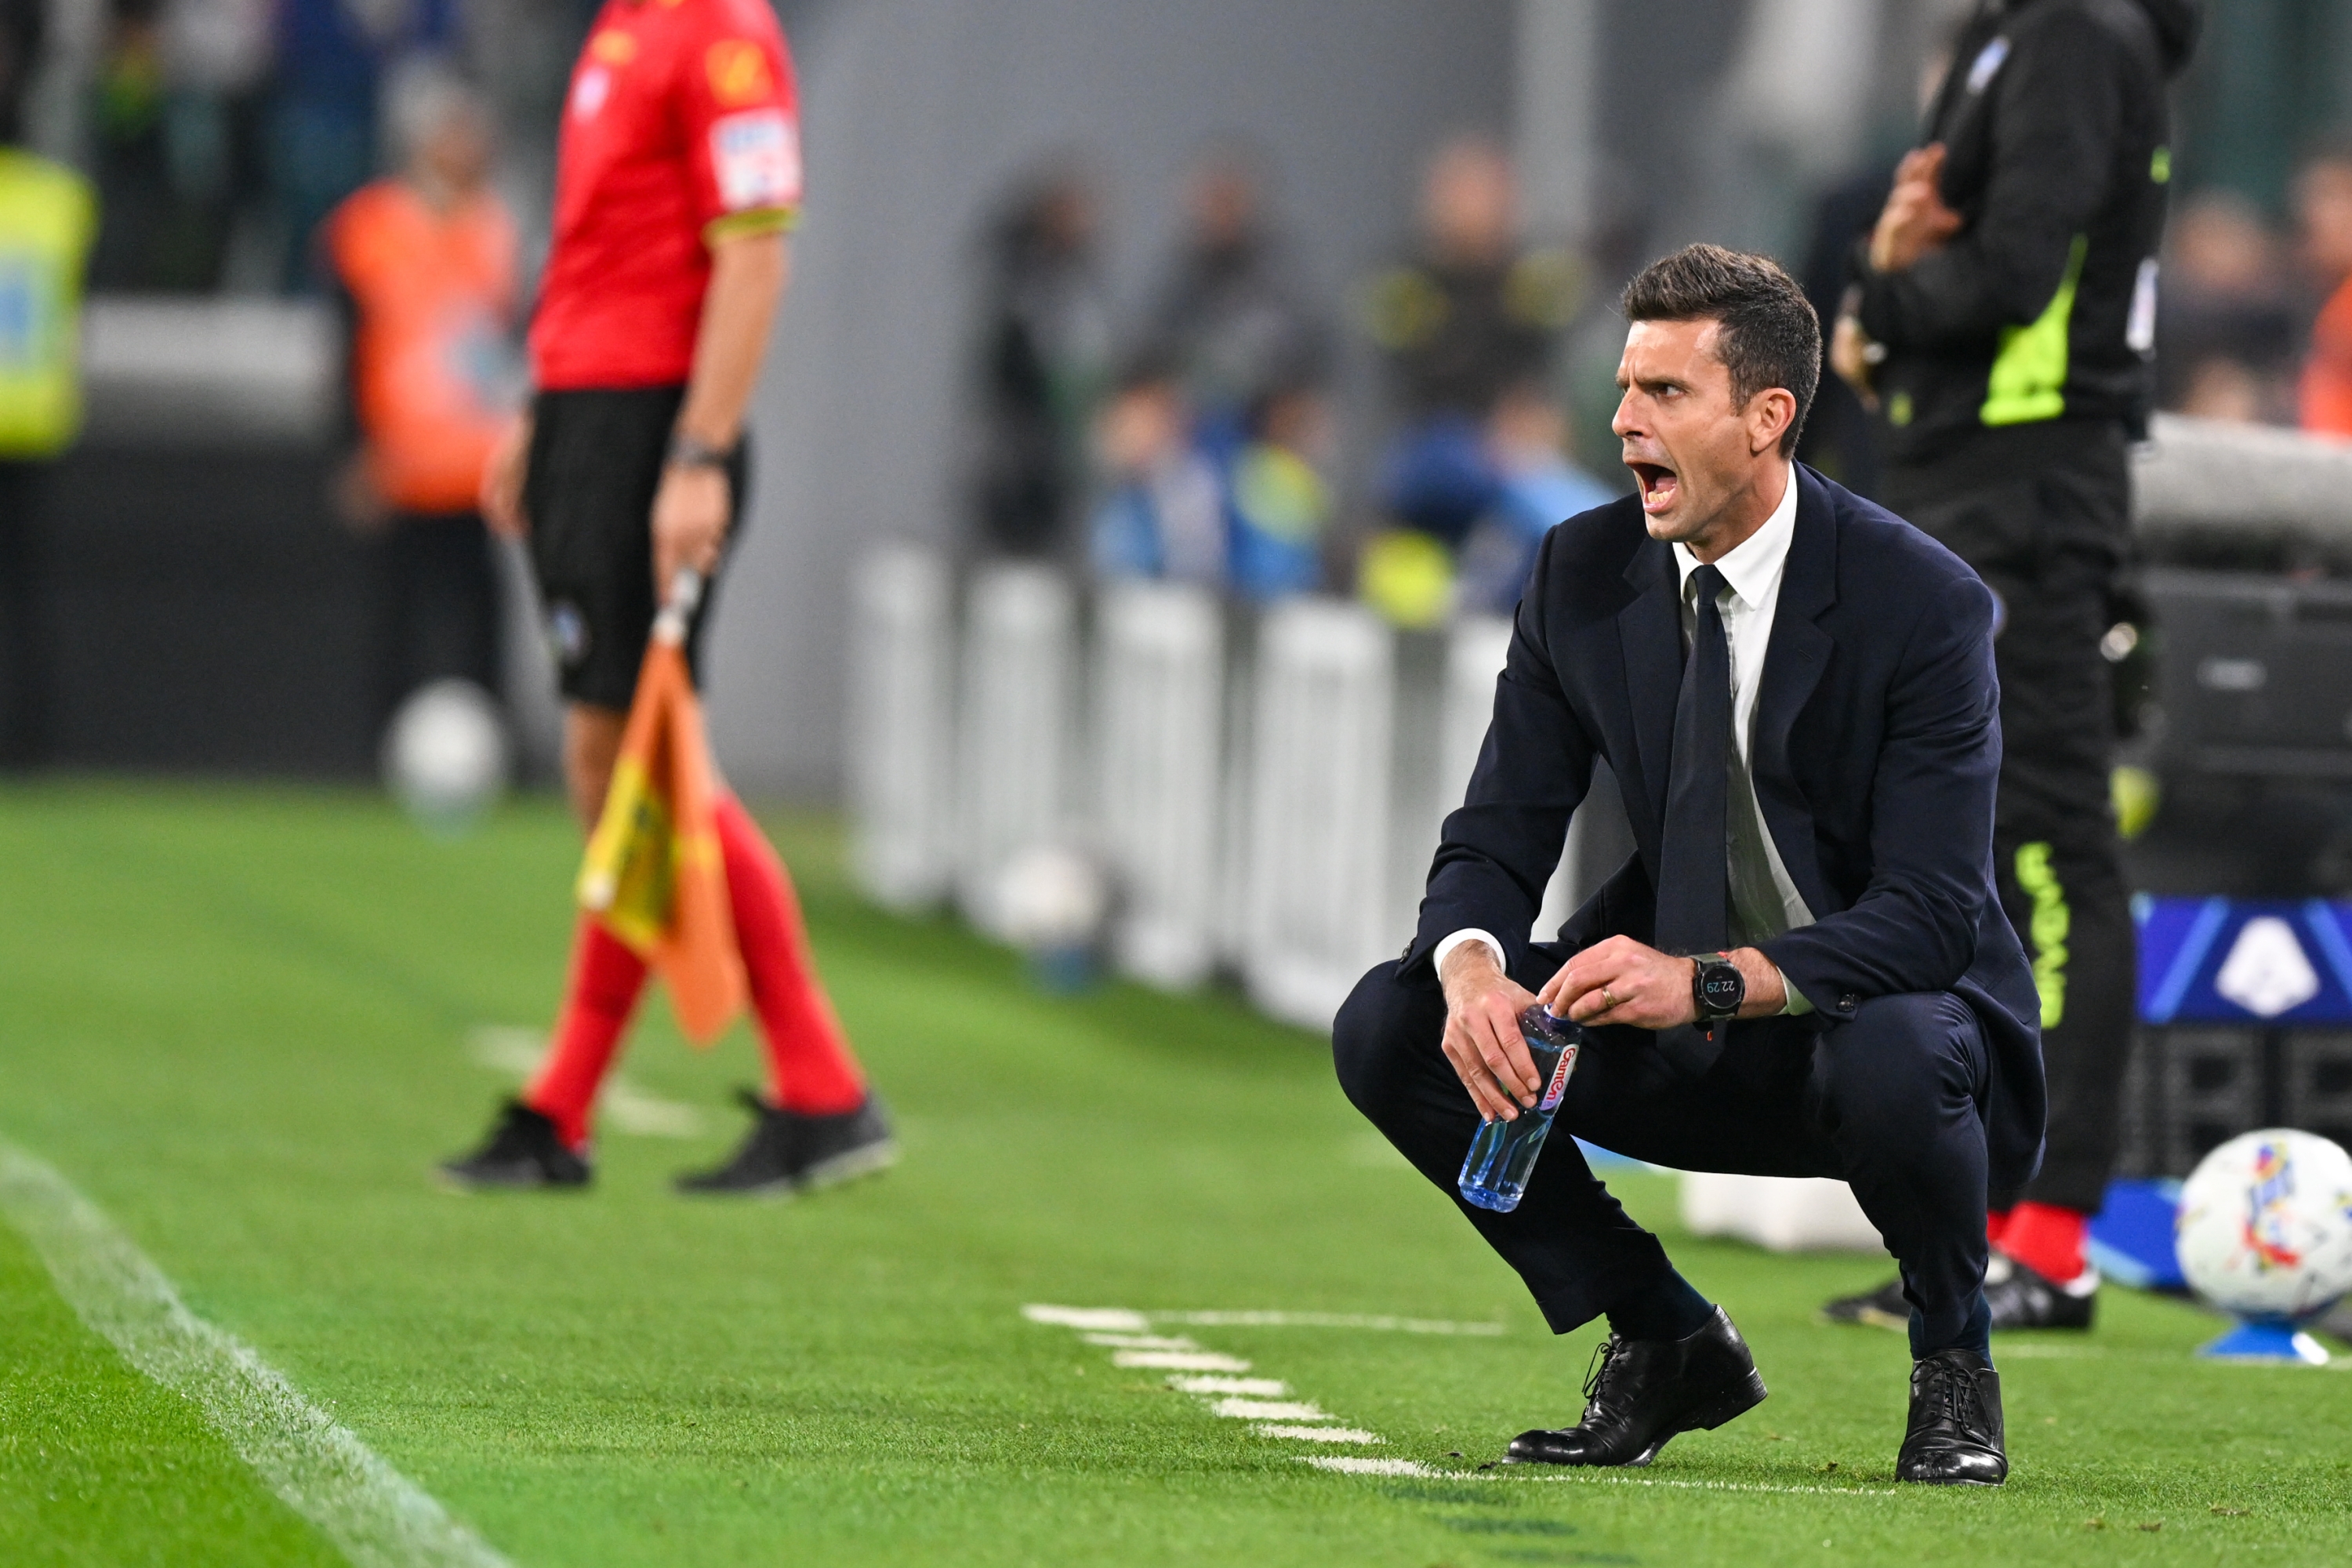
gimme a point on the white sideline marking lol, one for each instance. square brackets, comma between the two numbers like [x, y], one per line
[1269, 1410]
[1320, 1434]
[1603, 1480]
[1349, 1464]
[623, 1107]
[1180, 1361]
[1141, 1342]
[1264, 1387]
[373, 1514]
[1325, 1320]
[1109, 1320]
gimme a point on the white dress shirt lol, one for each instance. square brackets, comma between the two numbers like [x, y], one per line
[1751, 574]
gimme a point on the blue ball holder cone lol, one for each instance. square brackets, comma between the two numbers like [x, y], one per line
[2272, 1341]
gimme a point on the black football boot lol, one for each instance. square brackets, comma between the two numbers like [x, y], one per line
[787, 1152]
[521, 1151]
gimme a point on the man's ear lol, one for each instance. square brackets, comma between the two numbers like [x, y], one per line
[1769, 413]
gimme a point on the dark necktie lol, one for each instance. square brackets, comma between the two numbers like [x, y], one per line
[1693, 892]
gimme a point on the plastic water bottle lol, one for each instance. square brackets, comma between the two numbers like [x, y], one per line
[1503, 1155]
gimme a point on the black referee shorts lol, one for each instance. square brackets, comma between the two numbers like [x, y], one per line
[596, 461]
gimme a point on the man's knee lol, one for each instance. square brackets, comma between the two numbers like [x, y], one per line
[1901, 1058]
[1380, 1028]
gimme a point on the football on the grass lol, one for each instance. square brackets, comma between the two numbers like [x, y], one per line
[2264, 1228]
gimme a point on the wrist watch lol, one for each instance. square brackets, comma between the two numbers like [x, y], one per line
[685, 452]
[1717, 988]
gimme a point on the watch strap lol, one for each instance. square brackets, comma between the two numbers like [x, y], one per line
[687, 452]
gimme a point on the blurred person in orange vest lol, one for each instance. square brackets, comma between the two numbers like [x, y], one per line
[2322, 204]
[426, 262]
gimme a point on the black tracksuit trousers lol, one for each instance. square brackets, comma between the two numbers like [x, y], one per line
[2052, 545]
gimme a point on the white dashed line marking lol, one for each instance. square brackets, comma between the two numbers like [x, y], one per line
[1349, 1464]
[1263, 1387]
[1269, 1410]
[1320, 1434]
[1180, 1361]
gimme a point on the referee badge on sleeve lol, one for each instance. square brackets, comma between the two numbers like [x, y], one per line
[757, 156]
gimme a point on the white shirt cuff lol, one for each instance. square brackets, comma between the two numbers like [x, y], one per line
[1796, 1006]
[1468, 933]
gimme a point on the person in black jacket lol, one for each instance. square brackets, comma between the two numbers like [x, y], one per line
[1804, 969]
[2001, 323]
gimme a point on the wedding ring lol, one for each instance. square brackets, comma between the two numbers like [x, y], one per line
[1607, 997]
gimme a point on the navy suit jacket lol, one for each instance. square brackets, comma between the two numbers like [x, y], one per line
[1875, 752]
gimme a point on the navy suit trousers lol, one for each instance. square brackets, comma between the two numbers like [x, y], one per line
[1890, 1101]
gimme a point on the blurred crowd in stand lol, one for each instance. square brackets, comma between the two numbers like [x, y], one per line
[1206, 441]
[220, 134]
[1200, 443]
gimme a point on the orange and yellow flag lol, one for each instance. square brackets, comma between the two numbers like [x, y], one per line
[653, 872]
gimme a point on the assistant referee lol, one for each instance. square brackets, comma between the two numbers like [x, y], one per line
[679, 175]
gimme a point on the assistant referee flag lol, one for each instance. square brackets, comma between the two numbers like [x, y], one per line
[653, 874]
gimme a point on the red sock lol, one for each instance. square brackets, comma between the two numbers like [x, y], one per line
[2046, 1239]
[1996, 1225]
[810, 1067]
[607, 978]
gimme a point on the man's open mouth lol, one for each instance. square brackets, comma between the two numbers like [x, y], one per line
[1660, 484]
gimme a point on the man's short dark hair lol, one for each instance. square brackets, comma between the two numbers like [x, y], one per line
[1769, 334]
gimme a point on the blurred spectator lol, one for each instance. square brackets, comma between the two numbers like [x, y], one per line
[332, 56]
[1044, 342]
[1528, 443]
[2322, 201]
[426, 264]
[1281, 505]
[48, 217]
[2225, 324]
[176, 120]
[1472, 318]
[1838, 438]
[1164, 516]
[1230, 316]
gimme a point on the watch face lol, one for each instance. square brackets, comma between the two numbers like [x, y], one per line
[1720, 985]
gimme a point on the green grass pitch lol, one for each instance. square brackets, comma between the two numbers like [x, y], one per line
[245, 1022]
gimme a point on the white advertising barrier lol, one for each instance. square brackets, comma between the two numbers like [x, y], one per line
[901, 726]
[1780, 1214]
[1013, 744]
[1158, 742]
[1474, 650]
[1318, 805]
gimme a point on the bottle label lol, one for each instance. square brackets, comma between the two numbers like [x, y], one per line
[1559, 1084]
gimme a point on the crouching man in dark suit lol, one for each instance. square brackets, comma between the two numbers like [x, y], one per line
[1805, 970]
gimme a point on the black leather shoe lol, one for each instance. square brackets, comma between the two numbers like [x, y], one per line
[2021, 1298]
[522, 1150]
[1955, 1435]
[1642, 1392]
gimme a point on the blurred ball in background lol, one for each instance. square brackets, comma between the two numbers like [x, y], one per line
[1051, 902]
[2265, 1225]
[446, 755]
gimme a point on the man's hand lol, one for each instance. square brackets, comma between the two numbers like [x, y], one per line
[502, 476]
[1850, 349]
[1619, 980]
[689, 522]
[1914, 220]
[1482, 1032]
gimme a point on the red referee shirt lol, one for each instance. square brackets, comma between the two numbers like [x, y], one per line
[682, 126]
